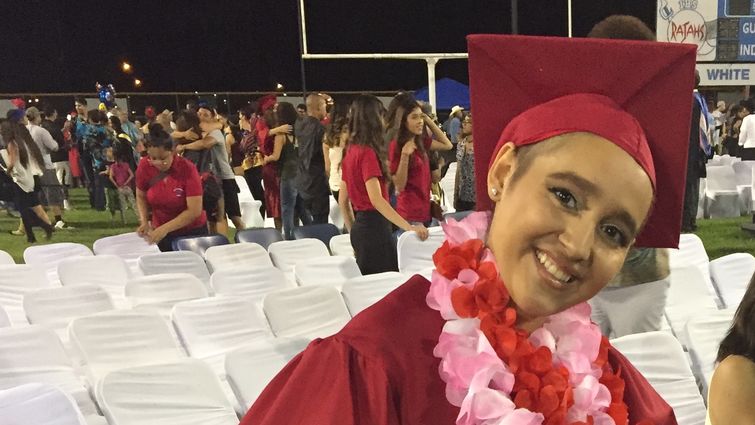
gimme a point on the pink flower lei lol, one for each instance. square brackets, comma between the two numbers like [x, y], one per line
[500, 375]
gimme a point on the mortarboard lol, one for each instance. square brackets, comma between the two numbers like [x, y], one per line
[637, 94]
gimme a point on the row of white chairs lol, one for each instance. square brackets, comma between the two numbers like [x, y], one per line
[727, 191]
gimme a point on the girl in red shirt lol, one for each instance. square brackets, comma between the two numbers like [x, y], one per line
[363, 174]
[409, 161]
[169, 186]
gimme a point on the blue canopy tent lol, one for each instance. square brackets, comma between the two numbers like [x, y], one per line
[449, 93]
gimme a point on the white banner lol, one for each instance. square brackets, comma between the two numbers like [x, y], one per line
[726, 74]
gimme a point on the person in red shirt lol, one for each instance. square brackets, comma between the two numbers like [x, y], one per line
[409, 161]
[363, 183]
[169, 186]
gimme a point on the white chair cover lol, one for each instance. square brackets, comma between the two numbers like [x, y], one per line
[327, 271]
[732, 274]
[34, 354]
[308, 312]
[161, 291]
[15, 282]
[109, 272]
[55, 308]
[341, 245]
[661, 360]
[184, 392]
[688, 297]
[743, 171]
[212, 327]
[415, 255]
[4, 319]
[114, 340]
[721, 196]
[691, 252]
[335, 217]
[704, 335]
[363, 291]
[237, 255]
[250, 214]
[448, 184]
[252, 282]
[251, 369]
[6, 258]
[175, 262]
[129, 246]
[245, 194]
[38, 404]
[49, 256]
[287, 253]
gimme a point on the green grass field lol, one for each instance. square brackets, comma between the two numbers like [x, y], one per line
[720, 236]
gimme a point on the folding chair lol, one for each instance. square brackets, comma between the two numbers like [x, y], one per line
[175, 262]
[55, 308]
[249, 370]
[661, 360]
[38, 404]
[6, 259]
[704, 335]
[210, 328]
[160, 292]
[364, 291]
[691, 252]
[34, 354]
[109, 272]
[15, 282]
[253, 282]
[341, 245]
[323, 232]
[263, 236]
[285, 254]
[327, 271]
[114, 340]
[308, 312]
[183, 392]
[128, 246]
[415, 255]
[721, 195]
[198, 244]
[732, 274]
[238, 255]
[687, 297]
[49, 256]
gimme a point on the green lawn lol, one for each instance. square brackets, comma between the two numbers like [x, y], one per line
[720, 236]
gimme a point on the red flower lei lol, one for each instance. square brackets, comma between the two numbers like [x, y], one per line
[539, 386]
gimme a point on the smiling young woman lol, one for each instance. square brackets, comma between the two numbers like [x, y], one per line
[582, 163]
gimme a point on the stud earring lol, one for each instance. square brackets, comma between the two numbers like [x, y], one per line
[494, 191]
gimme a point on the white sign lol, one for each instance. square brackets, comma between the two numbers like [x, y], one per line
[726, 74]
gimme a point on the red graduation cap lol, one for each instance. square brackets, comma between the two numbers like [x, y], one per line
[637, 94]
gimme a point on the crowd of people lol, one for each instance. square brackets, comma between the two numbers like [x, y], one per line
[294, 159]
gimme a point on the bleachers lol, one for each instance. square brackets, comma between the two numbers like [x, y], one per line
[258, 308]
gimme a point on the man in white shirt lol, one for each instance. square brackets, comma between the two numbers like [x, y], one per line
[747, 136]
[719, 118]
[52, 194]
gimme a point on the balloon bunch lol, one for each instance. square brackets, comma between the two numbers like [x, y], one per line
[106, 95]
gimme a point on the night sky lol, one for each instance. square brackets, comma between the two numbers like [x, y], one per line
[250, 45]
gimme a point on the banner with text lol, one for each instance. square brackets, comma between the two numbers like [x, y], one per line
[726, 74]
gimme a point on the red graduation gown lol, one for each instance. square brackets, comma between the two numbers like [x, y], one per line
[380, 370]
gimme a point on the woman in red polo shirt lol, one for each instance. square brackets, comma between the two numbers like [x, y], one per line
[168, 186]
[363, 183]
[409, 161]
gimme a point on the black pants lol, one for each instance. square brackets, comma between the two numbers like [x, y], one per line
[25, 201]
[691, 199]
[87, 174]
[253, 178]
[748, 154]
[373, 242]
[464, 205]
[318, 207]
[166, 244]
